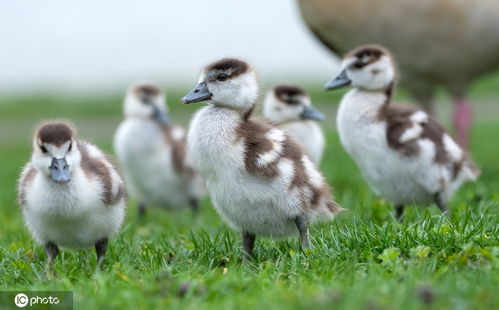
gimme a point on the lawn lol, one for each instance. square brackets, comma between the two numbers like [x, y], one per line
[362, 260]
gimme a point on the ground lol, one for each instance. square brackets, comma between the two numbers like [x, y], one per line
[363, 259]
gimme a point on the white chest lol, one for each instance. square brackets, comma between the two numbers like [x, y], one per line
[358, 123]
[212, 142]
[79, 196]
[138, 137]
[71, 214]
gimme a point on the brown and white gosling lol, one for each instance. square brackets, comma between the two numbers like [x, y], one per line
[152, 153]
[260, 180]
[447, 44]
[405, 155]
[289, 108]
[71, 195]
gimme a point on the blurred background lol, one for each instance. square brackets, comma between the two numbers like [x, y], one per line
[107, 45]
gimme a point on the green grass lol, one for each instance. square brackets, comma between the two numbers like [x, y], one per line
[362, 260]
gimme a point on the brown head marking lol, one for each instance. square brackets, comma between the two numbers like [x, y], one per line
[289, 94]
[232, 67]
[56, 133]
[367, 54]
[146, 92]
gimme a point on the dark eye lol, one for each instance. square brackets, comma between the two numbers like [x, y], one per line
[222, 77]
[70, 147]
[145, 99]
[358, 64]
[44, 149]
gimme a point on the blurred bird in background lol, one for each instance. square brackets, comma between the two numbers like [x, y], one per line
[438, 43]
[152, 153]
[288, 107]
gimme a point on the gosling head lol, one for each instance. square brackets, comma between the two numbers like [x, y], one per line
[287, 103]
[54, 151]
[228, 82]
[146, 101]
[368, 67]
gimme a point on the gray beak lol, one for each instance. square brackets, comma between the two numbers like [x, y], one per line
[59, 170]
[160, 116]
[310, 112]
[340, 81]
[200, 93]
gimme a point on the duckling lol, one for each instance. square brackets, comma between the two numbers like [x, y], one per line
[260, 180]
[152, 153]
[71, 195]
[405, 155]
[289, 108]
[438, 43]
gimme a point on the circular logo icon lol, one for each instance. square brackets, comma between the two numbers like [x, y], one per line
[21, 300]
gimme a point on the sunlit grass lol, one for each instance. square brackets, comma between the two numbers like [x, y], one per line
[364, 259]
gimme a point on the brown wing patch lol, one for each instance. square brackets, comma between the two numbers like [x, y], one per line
[178, 150]
[25, 182]
[433, 131]
[256, 143]
[312, 197]
[93, 167]
[56, 133]
[294, 152]
[398, 121]
[253, 134]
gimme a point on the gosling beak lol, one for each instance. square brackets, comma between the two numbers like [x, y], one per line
[160, 116]
[310, 112]
[199, 93]
[340, 81]
[59, 170]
